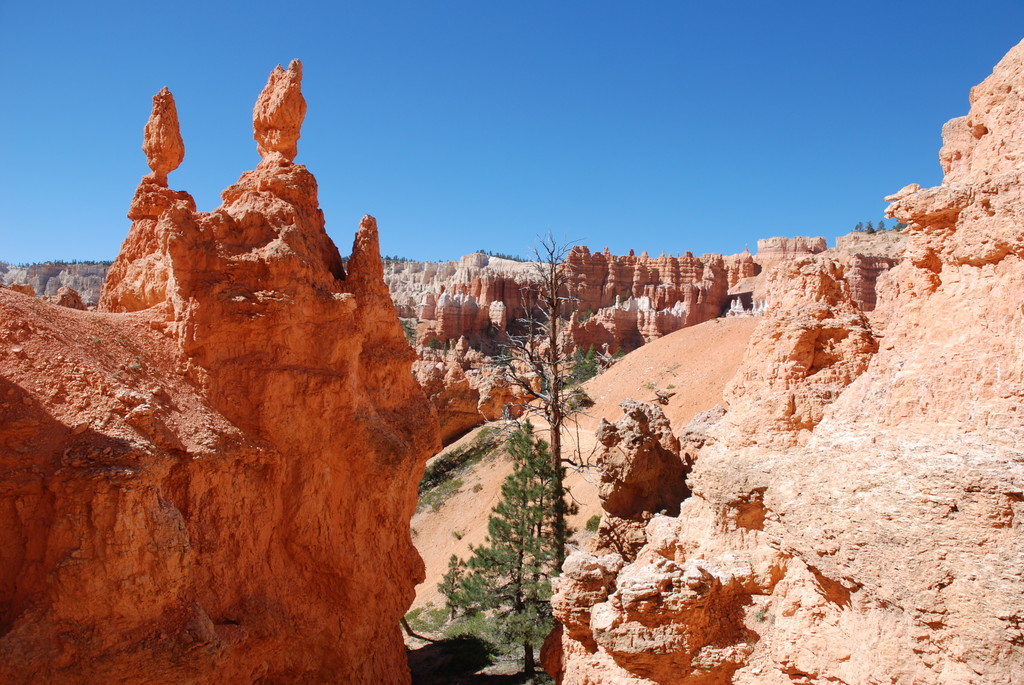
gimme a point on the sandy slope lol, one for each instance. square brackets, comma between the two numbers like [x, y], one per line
[695, 363]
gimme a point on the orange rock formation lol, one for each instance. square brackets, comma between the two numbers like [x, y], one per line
[641, 474]
[464, 386]
[876, 539]
[215, 486]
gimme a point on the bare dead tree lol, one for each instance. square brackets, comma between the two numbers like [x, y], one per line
[537, 361]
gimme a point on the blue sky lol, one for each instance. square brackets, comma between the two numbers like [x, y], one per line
[463, 125]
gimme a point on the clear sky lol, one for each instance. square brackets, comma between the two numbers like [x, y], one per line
[473, 124]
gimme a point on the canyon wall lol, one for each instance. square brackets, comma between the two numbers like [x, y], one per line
[211, 479]
[47, 278]
[620, 302]
[625, 301]
[857, 512]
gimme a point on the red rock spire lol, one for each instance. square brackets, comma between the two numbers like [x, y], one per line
[278, 114]
[162, 138]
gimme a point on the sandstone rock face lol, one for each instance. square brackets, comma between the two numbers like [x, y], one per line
[812, 342]
[635, 299]
[465, 388]
[460, 299]
[622, 300]
[866, 257]
[218, 488]
[641, 474]
[741, 267]
[23, 289]
[882, 543]
[771, 251]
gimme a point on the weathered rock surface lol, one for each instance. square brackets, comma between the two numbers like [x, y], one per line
[460, 299]
[67, 297]
[161, 140]
[277, 118]
[865, 258]
[636, 299]
[621, 302]
[138, 277]
[217, 488]
[880, 540]
[812, 342]
[464, 386]
[641, 474]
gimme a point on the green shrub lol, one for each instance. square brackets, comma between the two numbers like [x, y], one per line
[438, 495]
[428, 619]
[456, 461]
[593, 523]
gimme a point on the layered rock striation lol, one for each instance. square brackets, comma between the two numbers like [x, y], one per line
[875, 538]
[217, 487]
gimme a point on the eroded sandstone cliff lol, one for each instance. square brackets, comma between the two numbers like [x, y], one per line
[860, 519]
[211, 480]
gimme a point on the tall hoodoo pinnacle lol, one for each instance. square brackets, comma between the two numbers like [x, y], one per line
[162, 138]
[278, 114]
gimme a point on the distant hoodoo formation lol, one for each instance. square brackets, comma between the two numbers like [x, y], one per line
[211, 479]
[857, 508]
[459, 314]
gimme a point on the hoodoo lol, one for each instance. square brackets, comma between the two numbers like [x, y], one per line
[216, 485]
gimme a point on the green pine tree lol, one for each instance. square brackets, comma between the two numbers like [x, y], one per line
[450, 586]
[510, 575]
[859, 227]
[881, 226]
[870, 228]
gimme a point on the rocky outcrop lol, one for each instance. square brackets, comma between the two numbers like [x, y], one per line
[457, 299]
[217, 488]
[161, 139]
[67, 297]
[740, 267]
[887, 244]
[641, 474]
[601, 279]
[138, 277]
[22, 289]
[866, 256]
[621, 301]
[883, 542]
[47, 278]
[277, 117]
[812, 342]
[465, 387]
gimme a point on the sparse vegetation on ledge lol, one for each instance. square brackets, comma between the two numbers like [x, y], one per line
[440, 480]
